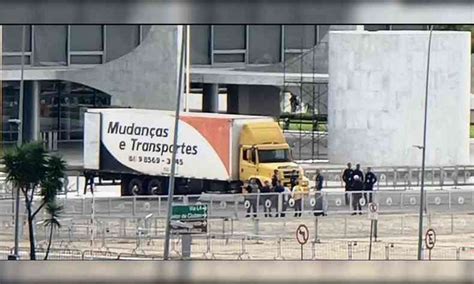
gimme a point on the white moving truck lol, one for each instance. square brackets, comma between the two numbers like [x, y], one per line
[215, 152]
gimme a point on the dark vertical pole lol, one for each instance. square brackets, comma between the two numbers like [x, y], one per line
[20, 137]
[370, 240]
[422, 201]
[175, 142]
[313, 95]
[301, 252]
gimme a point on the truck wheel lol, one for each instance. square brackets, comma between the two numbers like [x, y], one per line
[155, 187]
[135, 186]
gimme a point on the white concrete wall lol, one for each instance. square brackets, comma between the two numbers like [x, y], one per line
[376, 97]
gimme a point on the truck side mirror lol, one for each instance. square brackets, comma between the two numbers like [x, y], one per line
[254, 155]
[248, 155]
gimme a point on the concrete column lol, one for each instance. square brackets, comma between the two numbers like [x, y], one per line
[210, 98]
[232, 99]
[31, 112]
[253, 100]
[67, 104]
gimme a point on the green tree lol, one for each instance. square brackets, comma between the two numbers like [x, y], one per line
[54, 210]
[28, 167]
[50, 186]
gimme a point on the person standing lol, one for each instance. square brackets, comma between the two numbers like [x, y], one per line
[358, 172]
[280, 189]
[319, 202]
[347, 177]
[357, 188]
[266, 190]
[294, 102]
[293, 179]
[251, 191]
[369, 182]
[275, 178]
[89, 181]
[297, 194]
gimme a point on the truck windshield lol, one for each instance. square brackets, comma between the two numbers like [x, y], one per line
[274, 156]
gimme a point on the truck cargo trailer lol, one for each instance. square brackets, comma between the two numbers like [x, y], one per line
[215, 152]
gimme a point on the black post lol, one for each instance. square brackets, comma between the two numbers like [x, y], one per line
[370, 241]
[422, 202]
[301, 252]
[375, 230]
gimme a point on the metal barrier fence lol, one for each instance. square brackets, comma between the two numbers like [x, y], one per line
[244, 205]
[109, 237]
[402, 177]
[263, 248]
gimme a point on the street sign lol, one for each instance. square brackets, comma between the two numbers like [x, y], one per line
[373, 211]
[302, 234]
[430, 239]
[189, 212]
[189, 218]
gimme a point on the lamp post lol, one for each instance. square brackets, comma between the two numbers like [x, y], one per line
[175, 142]
[423, 149]
[19, 142]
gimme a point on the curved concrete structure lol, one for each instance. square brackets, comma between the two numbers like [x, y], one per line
[146, 77]
[376, 98]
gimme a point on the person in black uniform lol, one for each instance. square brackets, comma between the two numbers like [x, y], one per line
[347, 177]
[266, 189]
[369, 181]
[293, 179]
[89, 181]
[275, 178]
[357, 188]
[251, 187]
[318, 207]
[280, 189]
[294, 102]
[358, 172]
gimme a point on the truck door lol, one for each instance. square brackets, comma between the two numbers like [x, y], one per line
[248, 163]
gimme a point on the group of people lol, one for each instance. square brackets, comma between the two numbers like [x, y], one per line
[270, 201]
[275, 185]
[357, 184]
[360, 185]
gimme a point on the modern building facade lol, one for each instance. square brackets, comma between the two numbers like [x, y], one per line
[69, 68]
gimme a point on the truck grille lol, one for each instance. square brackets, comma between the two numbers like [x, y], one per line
[287, 174]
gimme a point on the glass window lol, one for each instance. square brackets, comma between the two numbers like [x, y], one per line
[12, 37]
[229, 58]
[62, 107]
[245, 154]
[15, 60]
[121, 39]
[10, 95]
[86, 38]
[50, 45]
[200, 38]
[274, 156]
[264, 44]
[229, 37]
[299, 36]
[86, 59]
